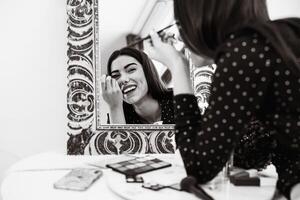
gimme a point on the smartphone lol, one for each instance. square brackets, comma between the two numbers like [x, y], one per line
[78, 179]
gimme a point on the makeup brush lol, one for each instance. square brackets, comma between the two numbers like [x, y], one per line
[148, 36]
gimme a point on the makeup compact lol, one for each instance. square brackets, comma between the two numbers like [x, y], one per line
[138, 165]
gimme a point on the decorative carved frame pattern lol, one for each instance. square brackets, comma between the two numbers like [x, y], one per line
[86, 134]
[119, 139]
[80, 96]
[202, 79]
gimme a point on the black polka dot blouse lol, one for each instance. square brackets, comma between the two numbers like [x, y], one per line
[251, 80]
[167, 111]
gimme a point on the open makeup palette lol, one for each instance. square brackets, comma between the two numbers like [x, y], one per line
[138, 165]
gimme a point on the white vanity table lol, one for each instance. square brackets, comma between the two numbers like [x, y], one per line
[32, 178]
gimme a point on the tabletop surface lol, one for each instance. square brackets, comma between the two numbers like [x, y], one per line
[33, 177]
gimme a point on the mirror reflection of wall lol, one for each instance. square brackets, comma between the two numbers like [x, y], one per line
[115, 32]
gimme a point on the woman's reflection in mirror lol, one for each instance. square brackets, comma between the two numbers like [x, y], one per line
[133, 90]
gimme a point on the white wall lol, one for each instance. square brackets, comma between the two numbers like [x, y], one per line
[33, 73]
[286, 8]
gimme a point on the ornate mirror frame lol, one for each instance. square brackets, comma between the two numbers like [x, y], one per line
[86, 134]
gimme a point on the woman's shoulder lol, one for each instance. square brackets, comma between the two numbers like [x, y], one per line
[280, 36]
[240, 42]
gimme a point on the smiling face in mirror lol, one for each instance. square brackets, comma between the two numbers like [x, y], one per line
[129, 74]
[134, 91]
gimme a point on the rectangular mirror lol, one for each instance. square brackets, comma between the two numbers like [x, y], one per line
[95, 30]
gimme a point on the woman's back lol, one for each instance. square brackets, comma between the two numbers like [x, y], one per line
[272, 91]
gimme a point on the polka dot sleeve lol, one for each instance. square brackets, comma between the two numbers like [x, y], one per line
[239, 88]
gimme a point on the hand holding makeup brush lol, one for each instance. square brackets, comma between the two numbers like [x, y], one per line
[161, 49]
[174, 60]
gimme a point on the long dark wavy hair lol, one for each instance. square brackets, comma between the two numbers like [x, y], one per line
[155, 87]
[205, 24]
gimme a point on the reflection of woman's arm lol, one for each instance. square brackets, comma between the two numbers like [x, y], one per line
[117, 115]
[295, 192]
[112, 94]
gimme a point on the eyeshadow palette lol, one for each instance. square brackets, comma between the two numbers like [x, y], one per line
[138, 165]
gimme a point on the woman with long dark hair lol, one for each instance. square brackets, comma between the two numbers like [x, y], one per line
[258, 75]
[133, 90]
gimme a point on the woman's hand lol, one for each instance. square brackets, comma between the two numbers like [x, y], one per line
[113, 96]
[111, 92]
[164, 52]
[175, 61]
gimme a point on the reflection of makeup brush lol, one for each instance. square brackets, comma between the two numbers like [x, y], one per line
[148, 37]
[108, 118]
